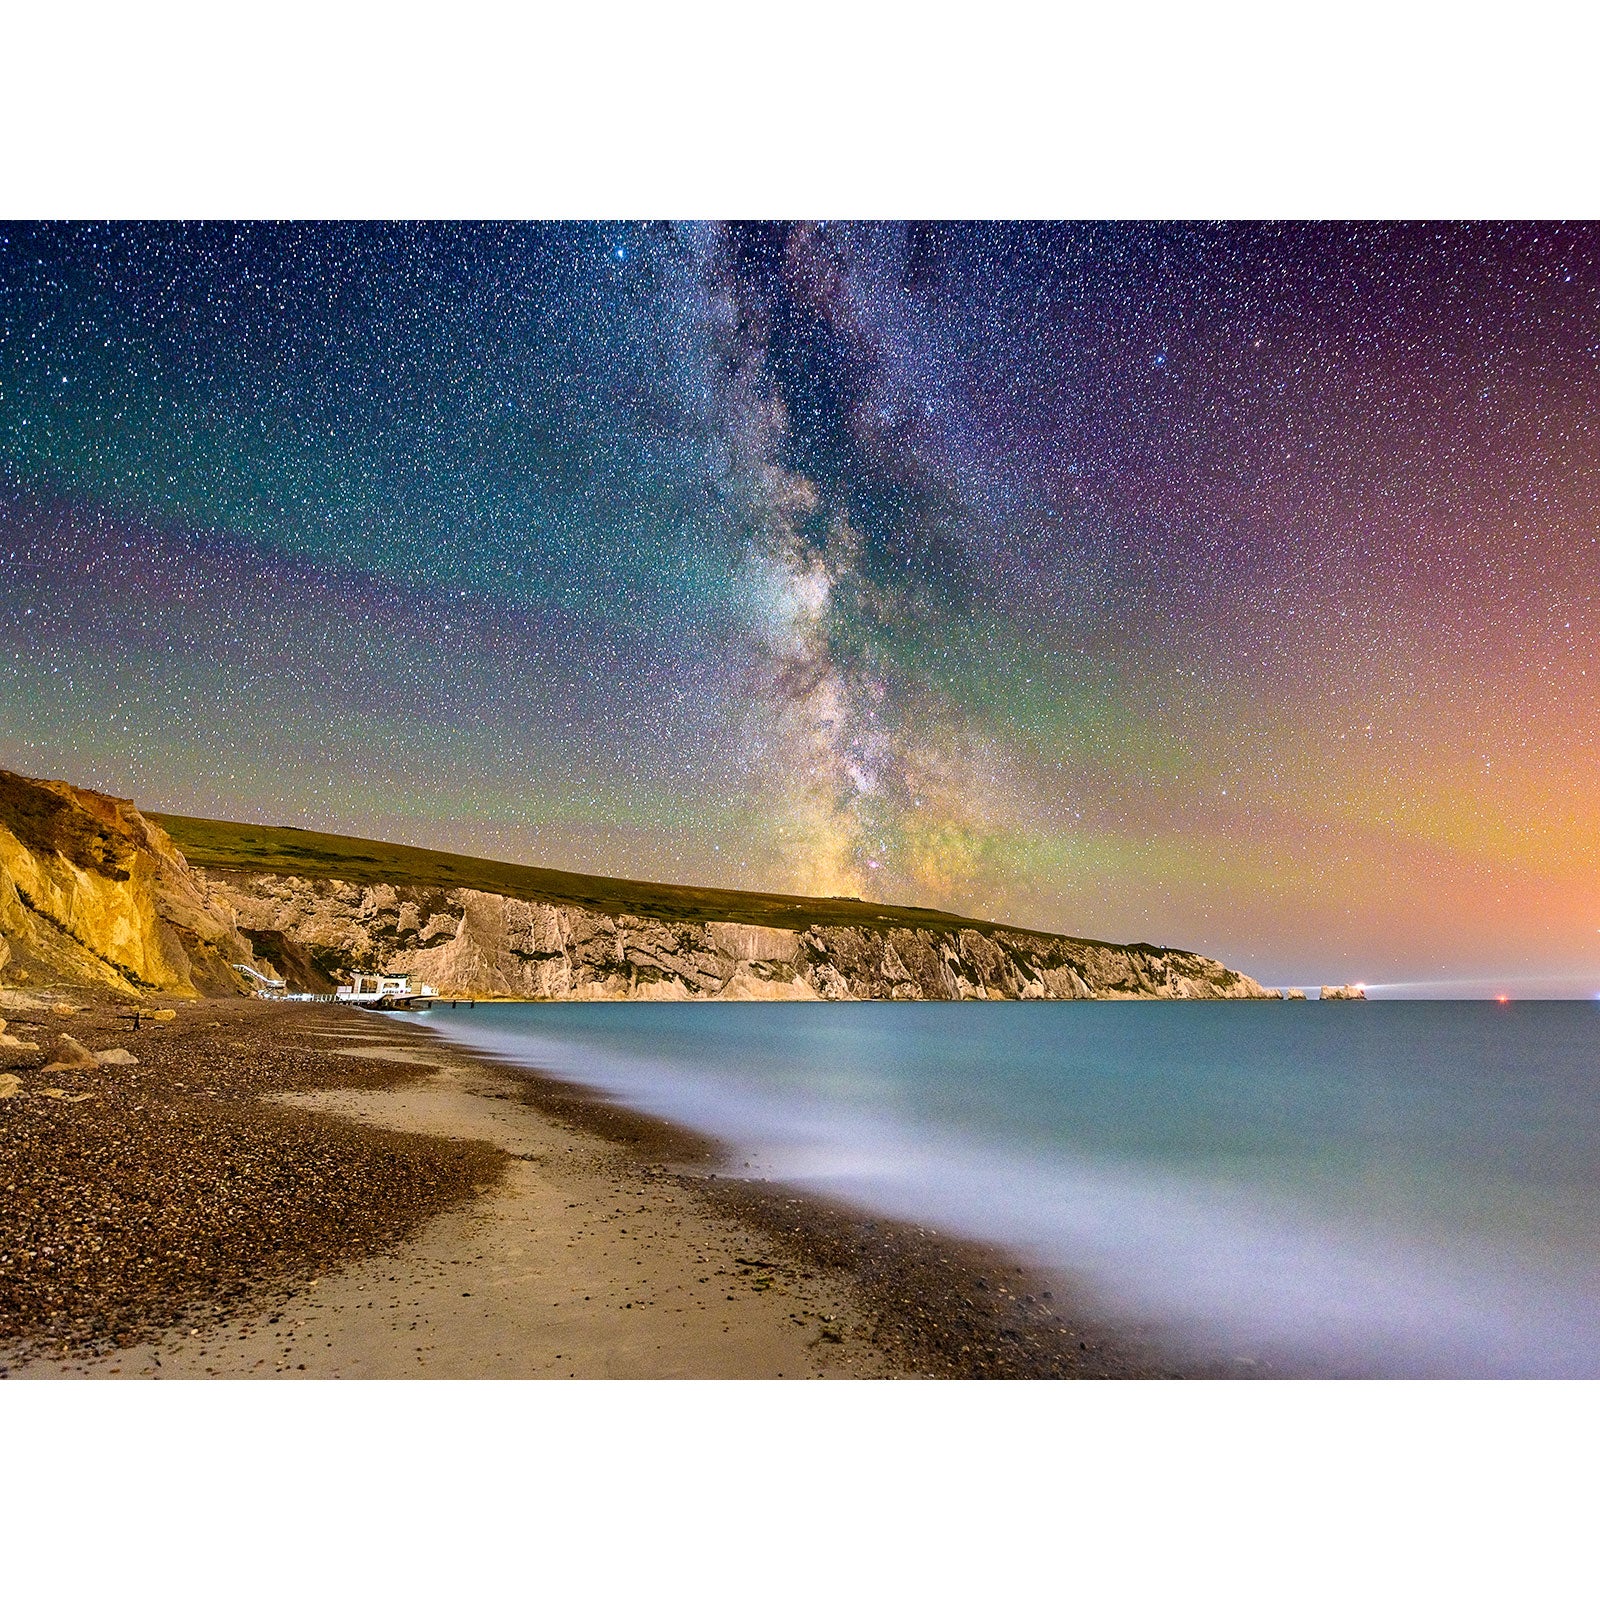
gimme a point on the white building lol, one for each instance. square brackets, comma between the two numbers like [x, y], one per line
[365, 988]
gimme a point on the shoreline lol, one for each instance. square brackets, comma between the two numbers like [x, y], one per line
[467, 1217]
[940, 1303]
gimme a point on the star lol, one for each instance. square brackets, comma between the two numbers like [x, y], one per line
[836, 555]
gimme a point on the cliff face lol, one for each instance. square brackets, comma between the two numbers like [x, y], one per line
[93, 892]
[469, 943]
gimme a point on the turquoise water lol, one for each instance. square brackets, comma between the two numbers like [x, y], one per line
[1407, 1187]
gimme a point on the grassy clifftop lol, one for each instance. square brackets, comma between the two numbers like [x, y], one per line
[251, 847]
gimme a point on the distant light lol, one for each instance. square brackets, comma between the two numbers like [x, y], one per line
[1504, 999]
[622, 255]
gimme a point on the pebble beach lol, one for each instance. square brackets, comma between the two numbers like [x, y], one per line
[244, 1189]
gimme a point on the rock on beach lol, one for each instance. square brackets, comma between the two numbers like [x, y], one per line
[68, 1055]
[9, 1041]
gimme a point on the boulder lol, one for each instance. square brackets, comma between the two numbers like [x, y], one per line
[67, 1055]
[116, 1058]
[10, 1084]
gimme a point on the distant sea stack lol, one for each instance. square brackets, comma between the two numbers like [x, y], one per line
[93, 891]
[1342, 991]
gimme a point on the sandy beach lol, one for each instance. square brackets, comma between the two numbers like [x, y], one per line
[299, 1191]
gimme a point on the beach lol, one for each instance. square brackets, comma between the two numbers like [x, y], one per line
[277, 1190]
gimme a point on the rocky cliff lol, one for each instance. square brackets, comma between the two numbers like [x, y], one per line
[470, 943]
[92, 891]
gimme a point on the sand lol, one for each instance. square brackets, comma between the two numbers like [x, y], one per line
[574, 1264]
[302, 1191]
[570, 1268]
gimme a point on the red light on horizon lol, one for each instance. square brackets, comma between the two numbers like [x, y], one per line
[1504, 999]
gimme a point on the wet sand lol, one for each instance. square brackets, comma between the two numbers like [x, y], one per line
[287, 1191]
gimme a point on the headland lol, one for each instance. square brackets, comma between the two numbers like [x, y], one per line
[94, 891]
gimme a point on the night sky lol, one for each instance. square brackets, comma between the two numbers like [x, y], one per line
[1234, 587]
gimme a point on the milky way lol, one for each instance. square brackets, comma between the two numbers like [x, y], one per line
[1227, 586]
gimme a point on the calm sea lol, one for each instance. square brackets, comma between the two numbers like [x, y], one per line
[1407, 1187]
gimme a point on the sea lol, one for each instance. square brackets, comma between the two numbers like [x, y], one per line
[1377, 1188]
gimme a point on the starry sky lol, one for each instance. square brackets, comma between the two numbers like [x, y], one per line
[1228, 586]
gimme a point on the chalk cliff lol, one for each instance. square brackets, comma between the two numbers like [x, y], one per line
[466, 942]
[92, 891]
